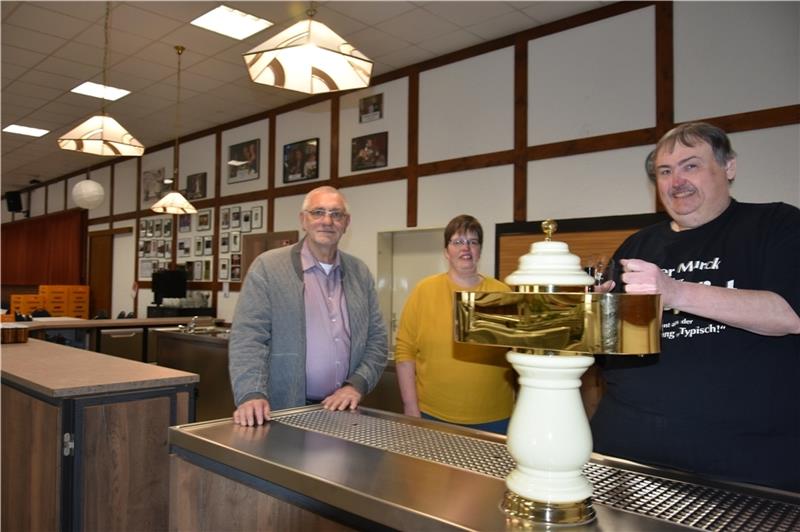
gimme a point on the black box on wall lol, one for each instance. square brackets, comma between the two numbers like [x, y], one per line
[14, 201]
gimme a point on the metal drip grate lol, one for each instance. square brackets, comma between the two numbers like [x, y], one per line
[683, 503]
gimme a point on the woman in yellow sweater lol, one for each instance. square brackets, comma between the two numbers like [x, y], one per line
[440, 379]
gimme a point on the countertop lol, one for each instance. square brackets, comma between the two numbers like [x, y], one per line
[77, 323]
[60, 371]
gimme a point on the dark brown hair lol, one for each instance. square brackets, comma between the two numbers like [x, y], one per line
[691, 133]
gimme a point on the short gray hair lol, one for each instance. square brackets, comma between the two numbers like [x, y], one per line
[328, 190]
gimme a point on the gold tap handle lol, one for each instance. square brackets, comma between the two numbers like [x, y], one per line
[549, 227]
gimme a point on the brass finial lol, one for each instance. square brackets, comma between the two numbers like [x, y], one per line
[549, 227]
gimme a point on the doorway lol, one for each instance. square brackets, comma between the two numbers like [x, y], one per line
[101, 263]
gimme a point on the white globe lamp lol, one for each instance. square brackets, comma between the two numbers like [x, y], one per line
[88, 194]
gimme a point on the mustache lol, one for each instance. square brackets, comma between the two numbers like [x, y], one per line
[681, 189]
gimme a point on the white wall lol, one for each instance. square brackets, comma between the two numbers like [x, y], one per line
[124, 246]
[125, 179]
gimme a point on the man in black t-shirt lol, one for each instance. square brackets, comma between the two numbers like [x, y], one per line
[721, 399]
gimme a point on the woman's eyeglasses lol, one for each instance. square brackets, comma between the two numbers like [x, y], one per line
[458, 242]
[318, 214]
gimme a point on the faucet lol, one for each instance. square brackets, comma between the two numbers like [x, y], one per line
[192, 325]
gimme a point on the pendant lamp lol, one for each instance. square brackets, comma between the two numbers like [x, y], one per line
[174, 202]
[308, 57]
[101, 134]
[88, 194]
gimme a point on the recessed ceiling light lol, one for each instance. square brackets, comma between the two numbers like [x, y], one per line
[25, 130]
[231, 22]
[97, 90]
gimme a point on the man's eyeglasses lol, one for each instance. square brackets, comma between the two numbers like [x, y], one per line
[336, 216]
[458, 242]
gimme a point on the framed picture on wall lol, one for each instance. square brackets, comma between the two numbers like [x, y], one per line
[198, 246]
[257, 217]
[168, 248]
[157, 228]
[184, 223]
[224, 242]
[206, 270]
[224, 269]
[160, 248]
[243, 161]
[149, 232]
[370, 108]
[184, 247]
[153, 186]
[246, 217]
[236, 267]
[145, 269]
[204, 220]
[225, 218]
[197, 270]
[236, 242]
[167, 228]
[300, 161]
[369, 151]
[141, 248]
[208, 245]
[196, 186]
[236, 217]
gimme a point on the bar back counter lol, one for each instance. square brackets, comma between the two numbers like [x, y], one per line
[311, 469]
[84, 438]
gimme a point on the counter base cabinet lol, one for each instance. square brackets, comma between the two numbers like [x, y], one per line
[31, 455]
[201, 500]
[115, 477]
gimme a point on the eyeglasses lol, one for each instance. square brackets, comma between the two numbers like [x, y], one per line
[318, 214]
[458, 242]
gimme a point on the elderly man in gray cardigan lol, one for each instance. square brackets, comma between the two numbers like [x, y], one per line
[307, 327]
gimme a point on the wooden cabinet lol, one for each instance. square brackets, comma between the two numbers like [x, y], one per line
[84, 439]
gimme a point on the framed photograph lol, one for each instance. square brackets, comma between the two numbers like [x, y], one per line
[236, 242]
[370, 108]
[142, 228]
[157, 228]
[236, 218]
[141, 248]
[153, 186]
[149, 248]
[246, 217]
[204, 220]
[243, 161]
[257, 217]
[146, 269]
[369, 151]
[198, 246]
[224, 242]
[206, 270]
[184, 223]
[167, 228]
[196, 186]
[160, 249]
[149, 232]
[184, 247]
[236, 267]
[224, 269]
[197, 270]
[208, 245]
[300, 161]
[225, 218]
[168, 250]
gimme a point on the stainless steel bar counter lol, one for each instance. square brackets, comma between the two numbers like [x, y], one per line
[371, 469]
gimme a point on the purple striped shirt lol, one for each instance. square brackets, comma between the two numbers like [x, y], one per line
[327, 327]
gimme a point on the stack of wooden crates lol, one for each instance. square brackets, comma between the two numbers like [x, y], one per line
[58, 300]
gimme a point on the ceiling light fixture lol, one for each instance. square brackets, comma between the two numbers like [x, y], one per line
[101, 134]
[174, 202]
[308, 57]
[88, 194]
[96, 90]
[25, 130]
[231, 22]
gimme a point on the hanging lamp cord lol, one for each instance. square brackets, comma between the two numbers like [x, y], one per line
[179, 49]
[105, 55]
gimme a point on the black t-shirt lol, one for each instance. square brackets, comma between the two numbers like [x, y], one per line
[718, 400]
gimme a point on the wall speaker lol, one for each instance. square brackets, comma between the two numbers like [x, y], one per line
[14, 201]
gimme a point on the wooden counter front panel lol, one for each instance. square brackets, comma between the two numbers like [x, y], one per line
[204, 501]
[31, 458]
[125, 447]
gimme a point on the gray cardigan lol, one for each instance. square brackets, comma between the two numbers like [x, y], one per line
[267, 345]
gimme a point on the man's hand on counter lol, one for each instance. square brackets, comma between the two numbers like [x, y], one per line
[343, 398]
[252, 412]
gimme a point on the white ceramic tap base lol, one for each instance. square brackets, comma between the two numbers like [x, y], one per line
[549, 434]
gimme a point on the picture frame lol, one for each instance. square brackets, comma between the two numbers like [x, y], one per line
[153, 186]
[149, 232]
[224, 269]
[167, 228]
[160, 249]
[257, 217]
[370, 108]
[184, 247]
[224, 242]
[204, 220]
[141, 248]
[142, 228]
[184, 223]
[198, 246]
[236, 217]
[145, 269]
[206, 270]
[196, 186]
[246, 220]
[197, 270]
[244, 161]
[208, 245]
[157, 228]
[225, 218]
[236, 242]
[236, 267]
[301, 161]
[369, 151]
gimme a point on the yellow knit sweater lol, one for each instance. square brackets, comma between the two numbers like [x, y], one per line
[460, 383]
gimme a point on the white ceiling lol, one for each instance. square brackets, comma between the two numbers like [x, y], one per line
[50, 47]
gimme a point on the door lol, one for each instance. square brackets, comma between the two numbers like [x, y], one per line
[101, 259]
